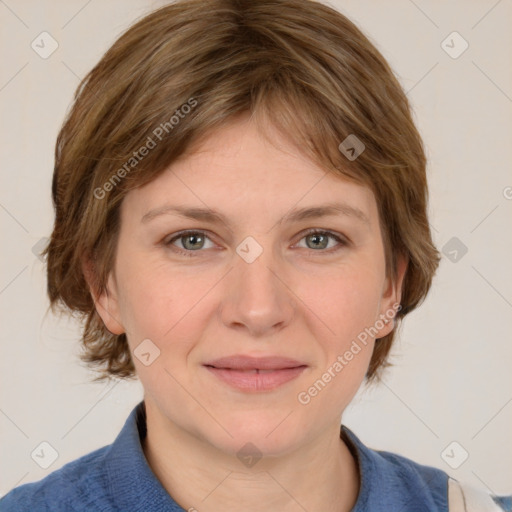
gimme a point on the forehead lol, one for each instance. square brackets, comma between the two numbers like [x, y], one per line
[238, 169]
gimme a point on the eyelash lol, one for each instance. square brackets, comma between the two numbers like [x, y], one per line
[182, 234]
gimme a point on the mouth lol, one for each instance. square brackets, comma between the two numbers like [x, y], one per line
[250, 374]
[253, 370]
[245, 362]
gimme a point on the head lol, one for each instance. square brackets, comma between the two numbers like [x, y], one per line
[243, 112]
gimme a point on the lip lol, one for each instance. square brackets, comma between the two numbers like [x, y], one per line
[242, 362]
[255, 374]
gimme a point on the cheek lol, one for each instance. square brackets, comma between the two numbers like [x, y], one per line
[341, 308]
[161, 304]
[343, 303]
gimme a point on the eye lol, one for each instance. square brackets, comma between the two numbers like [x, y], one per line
[318, 239]
[191, 241]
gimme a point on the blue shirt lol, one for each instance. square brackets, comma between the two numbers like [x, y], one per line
[117, 477]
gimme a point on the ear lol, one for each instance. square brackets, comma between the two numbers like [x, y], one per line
[105, 301]
[392, 293]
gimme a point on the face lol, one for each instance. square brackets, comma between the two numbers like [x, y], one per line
[263, 281]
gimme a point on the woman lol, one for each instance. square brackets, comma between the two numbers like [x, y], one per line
[241, 217]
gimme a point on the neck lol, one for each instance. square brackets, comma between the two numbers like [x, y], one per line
[321, 475]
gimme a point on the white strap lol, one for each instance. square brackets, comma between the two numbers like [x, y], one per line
[464, 497]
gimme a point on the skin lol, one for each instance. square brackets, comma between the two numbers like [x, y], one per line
[300, 298]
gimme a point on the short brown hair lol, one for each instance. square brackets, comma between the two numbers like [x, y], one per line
[298, 63]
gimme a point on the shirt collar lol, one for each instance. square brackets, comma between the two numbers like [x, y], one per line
[133, 484]
[389, 481]
[386, 482]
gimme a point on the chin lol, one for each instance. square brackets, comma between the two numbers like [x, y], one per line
[262, 433]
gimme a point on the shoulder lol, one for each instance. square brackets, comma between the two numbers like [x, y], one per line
[425, 483]
[464, 497]
[115, 477]
[459, 496]
[78, 485]
[390, 481]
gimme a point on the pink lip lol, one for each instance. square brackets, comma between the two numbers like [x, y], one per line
[243, 372]
[251, 381]
[241, 362]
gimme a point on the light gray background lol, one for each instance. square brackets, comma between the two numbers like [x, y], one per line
[452, 378]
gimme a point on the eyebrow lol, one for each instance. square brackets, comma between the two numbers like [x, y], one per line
[296, 215]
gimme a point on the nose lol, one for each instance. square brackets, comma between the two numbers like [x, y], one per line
[257, 298]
